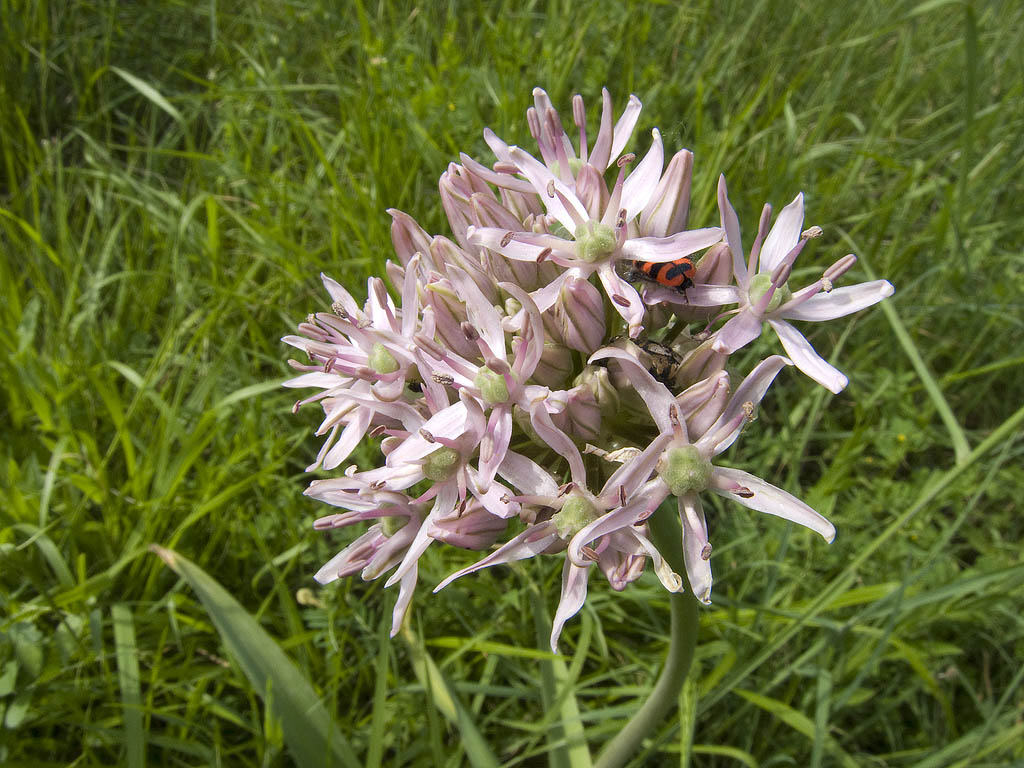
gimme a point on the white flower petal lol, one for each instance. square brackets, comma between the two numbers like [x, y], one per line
[765, 497]
[658, 249]
[741, 329]
[655, 395]
[839, 303]
[405, 592]
[731, 225]
[806, 359]
[624, 127]
[784, 235]
[527, 476]
[529, 543]
[493, 237]
[696, 548]
[641, 183]
[540, 177]
[574, 593]
[624, 298]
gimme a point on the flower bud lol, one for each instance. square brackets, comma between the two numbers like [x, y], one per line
[697, 362]
[584, 415]
[669, 209]
[407, 236]
[591, 189]
[580, 311]
[555, 366]
[597, 379]
[470, 528]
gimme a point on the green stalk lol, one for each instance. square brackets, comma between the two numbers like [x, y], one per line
[668, 538]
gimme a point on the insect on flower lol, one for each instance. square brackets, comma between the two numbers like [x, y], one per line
[675, 275]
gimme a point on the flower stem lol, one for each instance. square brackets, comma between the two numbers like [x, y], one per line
[667, 537]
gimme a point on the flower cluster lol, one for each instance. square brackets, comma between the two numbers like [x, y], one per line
[556, 369]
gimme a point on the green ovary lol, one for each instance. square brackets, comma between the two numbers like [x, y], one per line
[684, 470]
[492, 387]
[576, 514]
[759, 286]
[381, 360]
[441, 464]
[594, 241]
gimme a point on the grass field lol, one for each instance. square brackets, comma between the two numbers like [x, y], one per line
[176, 175]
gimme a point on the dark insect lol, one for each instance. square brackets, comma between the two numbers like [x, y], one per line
[664, 362]
[676, 275]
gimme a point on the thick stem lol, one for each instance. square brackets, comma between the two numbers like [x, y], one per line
[667, 537]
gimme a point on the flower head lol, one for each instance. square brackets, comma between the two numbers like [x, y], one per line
[529, 398]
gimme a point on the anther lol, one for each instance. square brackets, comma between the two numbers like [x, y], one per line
[567, 488]
[588, 553]
[507, 238]
[377, 485]
[551, 188]
[812, 232]
[295, 408]
[339, 310]
[673, 415]
[622, 495]
[620, 220]
[748, 410]
[377, 431]
[826, 285]
[469, 331]
[502, 167]
[622, 301]
[543, 255]
[427, 436]
[705, 553]
[444, 379]
[625, 160]
[744, 492]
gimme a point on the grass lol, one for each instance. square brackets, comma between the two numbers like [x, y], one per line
[173, 178]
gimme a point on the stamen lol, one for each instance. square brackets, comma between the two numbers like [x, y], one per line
[444, 379]
[543, 255]
[743, 492]
[507, 238]
[429, 346]
[622, 301]
[625, 160]
[427, 436]
[551, 188]
[589, 553]
[339, 310]
[838, 269]
[377, 431]
[705, 553]
[504, 167]
[748, 410]
[622, 495]
[295, 408]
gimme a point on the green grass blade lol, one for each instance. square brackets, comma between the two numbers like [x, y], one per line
[314, 741]
[447, 702]
[128, 678]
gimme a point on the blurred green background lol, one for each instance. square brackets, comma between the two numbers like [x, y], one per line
[175, 176]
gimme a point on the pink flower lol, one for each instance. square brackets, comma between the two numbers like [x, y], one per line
[684, 469]
[764, 295]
